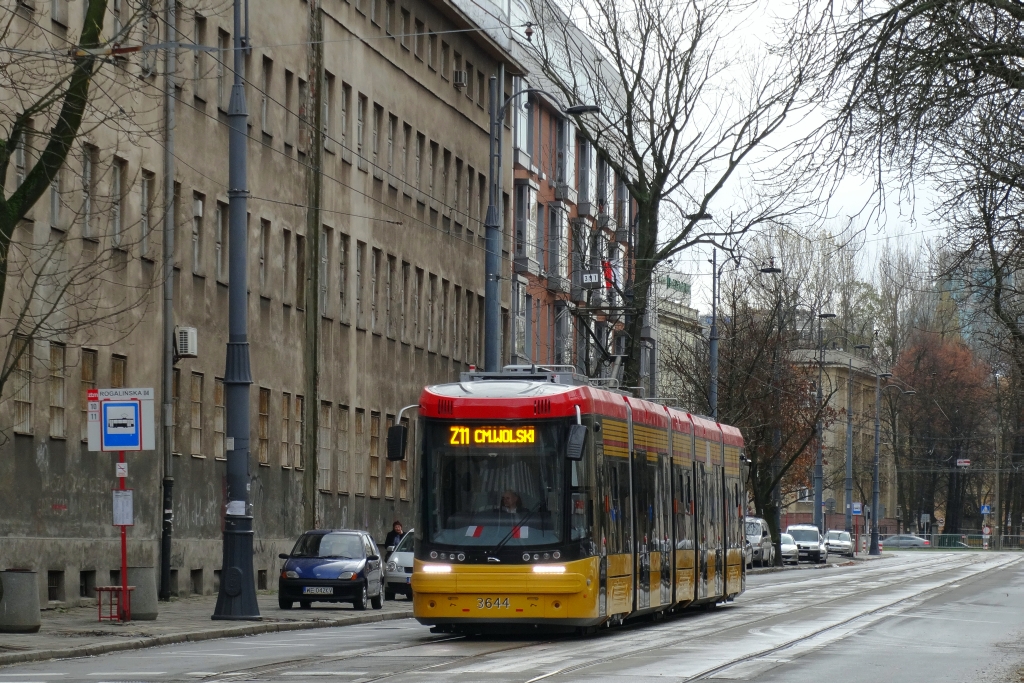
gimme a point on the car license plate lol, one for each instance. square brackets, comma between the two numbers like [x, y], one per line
[408, 579]
[318, 590]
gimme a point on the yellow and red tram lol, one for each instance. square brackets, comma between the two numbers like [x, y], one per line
[545, 503]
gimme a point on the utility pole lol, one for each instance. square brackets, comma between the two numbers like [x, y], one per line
[873, 550]
[713, 337]
[492, 226]
[167, 390]
[999, 456]
[849, 448]
[819, 428]
[237, 597]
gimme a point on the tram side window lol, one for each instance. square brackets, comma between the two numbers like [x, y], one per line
[582, 513]
[616, 507]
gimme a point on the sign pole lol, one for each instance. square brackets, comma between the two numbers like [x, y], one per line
[125, 612]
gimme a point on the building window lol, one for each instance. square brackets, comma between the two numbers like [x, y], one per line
[359, 460]
[219, 420]
[20, 159]
[432, 50]
[374, 270]
[58, 368]
[374, 455]
[22, 385]
[117, 172]
[346, 92]
[55, 190]
[343, 277]
[224, 58]
[88, 189]
[88, 382]
[222, 219]
[389, 467]
[360, 126]
[323, 461]
[286, 429]
[389, 323]
[392, 127]
[198, 61]
[118, 372]
[405, 28]
[297, 454]
[265, 82]
[378, 115]
[417, 289]
[406, 141]
[444, 60]
[325, 272]
[263, 428]
[300, 272]
[197, 233]
[264, 247]
[343, 456]
[146, 219]
[418, 39]
[360, 262]
[176, 438]
[418, 161]
[196, 415]
[286, 254]
[389, 12]
[326, 102]
[403, 470]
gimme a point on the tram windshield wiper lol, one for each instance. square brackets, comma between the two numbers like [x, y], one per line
[519, 525]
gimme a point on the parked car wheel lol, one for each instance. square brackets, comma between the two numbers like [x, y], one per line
[363, 600]
[284, 604]
[378, 600]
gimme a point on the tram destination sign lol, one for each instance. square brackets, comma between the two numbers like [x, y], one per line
[460, 435]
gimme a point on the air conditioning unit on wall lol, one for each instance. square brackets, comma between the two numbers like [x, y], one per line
[186, 342]
[459, 79]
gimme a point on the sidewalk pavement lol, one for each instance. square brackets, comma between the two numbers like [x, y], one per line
[76, 632]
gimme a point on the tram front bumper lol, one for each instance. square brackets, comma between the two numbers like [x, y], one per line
[468, 596]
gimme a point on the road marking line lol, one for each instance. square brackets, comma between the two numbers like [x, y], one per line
[325, 673]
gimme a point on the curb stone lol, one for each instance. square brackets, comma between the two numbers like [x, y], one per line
[174, 638]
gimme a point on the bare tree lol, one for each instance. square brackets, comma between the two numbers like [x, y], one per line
[64, 239]
[684, 117]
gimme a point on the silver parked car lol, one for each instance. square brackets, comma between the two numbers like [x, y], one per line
[760, 541]
[809, 543]
[905, 541]
[398, 570]
[788, 550]
[840, 543]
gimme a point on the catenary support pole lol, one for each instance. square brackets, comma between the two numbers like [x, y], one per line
[237, 597]
[849, 447]
[820, 435]
[713, 337]
[167, 388]
[873, 549]
[124, 604]
[492, 302]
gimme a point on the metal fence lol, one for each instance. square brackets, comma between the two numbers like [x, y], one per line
[966, 541]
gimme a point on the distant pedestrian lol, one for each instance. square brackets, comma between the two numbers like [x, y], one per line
[394, 536]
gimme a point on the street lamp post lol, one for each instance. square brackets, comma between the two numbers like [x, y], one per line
[237, 596]
[819, 429]
[492, 223]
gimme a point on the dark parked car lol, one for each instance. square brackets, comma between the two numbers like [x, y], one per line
[332, 565]
[905, 541]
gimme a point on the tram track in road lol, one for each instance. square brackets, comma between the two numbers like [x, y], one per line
[876, 577]
[791, 643]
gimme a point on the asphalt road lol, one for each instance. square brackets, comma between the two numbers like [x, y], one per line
[912, 617]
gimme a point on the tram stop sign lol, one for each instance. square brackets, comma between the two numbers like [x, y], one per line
[121, 420]
[857, 509]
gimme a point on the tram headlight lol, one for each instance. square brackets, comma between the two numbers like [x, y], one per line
[437, 568]
[548, 569]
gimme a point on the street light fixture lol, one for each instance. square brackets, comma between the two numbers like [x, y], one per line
[492, 227]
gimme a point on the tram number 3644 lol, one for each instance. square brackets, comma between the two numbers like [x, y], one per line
[492, 603]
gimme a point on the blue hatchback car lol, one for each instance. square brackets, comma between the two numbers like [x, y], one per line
[332, 565]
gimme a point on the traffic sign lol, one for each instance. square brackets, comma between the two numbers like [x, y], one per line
[986, 530]
[121, 420]
[963, 462]
[857, 510]
[986, 509]
[121, 469]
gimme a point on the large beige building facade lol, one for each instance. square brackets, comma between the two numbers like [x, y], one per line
[366, 276]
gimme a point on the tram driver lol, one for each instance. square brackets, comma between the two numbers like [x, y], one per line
[511, 503]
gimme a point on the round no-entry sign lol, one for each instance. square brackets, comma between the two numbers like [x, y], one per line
[986, 530]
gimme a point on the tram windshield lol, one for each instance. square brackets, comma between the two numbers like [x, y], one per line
[495, 484]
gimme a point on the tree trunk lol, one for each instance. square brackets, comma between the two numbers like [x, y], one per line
[639, 290]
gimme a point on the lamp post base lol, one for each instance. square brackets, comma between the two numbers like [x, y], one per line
[236, 600]
[874, 550]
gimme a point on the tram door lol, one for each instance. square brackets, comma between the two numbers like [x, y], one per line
[644, 511]
[700, 500]
[716, 531]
